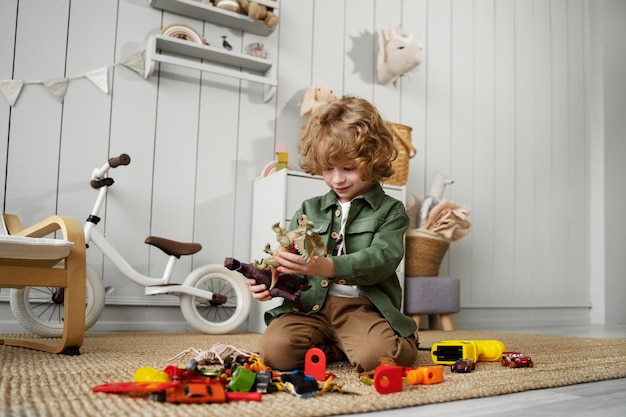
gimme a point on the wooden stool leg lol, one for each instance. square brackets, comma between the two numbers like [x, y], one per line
[416, 318]
[446, 322]
[433, 321]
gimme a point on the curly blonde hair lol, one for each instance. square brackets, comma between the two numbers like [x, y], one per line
[349, 128]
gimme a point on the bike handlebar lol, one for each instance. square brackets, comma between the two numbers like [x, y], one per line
[116, 161]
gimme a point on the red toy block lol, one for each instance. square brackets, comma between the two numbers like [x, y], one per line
[315, 364]
[388, 379]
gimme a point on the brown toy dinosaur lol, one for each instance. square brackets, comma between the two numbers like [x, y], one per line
[303, 240]
[287, 286]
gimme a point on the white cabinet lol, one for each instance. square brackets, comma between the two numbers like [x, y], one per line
[276, 198]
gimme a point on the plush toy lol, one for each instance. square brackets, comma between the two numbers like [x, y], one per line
[231, 5]
[396, 55]
[256, 49]
[315, 98]
[287, 286]
[436, 193]
[258, 11]
[412, 205]
[251, 9]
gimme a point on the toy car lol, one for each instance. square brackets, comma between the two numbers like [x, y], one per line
[192, 393]
[463, 366]
[516, 360]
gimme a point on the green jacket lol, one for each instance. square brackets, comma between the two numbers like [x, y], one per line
[375, 245]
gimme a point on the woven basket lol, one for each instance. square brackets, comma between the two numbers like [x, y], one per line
[406, 151]
[424, 252]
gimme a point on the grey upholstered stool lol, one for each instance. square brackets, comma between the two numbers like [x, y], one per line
[436, 296]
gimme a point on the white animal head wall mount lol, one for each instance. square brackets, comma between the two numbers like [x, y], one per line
[396, 55]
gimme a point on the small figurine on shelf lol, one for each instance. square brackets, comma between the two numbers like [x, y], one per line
[256, 49]
[225, 44]
[282, 157]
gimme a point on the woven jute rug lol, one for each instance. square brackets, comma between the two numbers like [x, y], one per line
[34, 383]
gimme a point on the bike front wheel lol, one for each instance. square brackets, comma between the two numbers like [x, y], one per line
[39, 310]
[230, 306]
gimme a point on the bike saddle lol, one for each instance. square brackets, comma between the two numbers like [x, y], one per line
[172, 247]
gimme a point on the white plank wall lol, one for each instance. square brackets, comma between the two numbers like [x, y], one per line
[499, 104]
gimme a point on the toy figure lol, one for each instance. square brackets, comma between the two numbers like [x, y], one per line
[303, 240]
[287, 286]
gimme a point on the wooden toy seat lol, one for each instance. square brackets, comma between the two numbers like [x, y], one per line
[28, 258]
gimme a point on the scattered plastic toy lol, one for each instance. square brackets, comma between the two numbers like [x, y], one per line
[449, 351]
[463, 366]
[217, 354]
[425, 375]
[514, 359]
[300, 385]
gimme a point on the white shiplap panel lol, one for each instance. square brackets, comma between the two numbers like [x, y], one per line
[387, 97]
[175, 152]
[86, 109]
[295, 74]
[437, 146]
[465, 100]
[414, 93]
[7, 48]
[36, 121]
[524, 152]
[559, 274]
[256, 138]
[438, 63]
[504, 151]
[542, 150]
[175, 161]
[577, 199]
[216, 159]
[361, 48]
[133, 115]
[483, 154]
[328, 44]
[471, 104]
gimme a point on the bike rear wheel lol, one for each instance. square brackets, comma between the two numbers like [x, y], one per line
[216, 317]
[37, 311]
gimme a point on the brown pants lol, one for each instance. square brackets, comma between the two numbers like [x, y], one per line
[353, 325]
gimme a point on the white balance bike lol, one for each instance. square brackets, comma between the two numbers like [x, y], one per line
[213, 299]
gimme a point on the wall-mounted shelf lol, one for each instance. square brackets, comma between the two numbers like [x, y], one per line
[215, 60]
[199, 10]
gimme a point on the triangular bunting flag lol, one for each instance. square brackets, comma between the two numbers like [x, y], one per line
[11, 90]
[57, 87]
[136, 62]
[100, 78]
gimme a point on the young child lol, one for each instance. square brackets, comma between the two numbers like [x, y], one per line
[353, 305]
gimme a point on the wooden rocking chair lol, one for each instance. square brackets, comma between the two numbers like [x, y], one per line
[27, 258]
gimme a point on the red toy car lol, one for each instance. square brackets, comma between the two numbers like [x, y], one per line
[516, 360]
[463, 366]
[192, 393]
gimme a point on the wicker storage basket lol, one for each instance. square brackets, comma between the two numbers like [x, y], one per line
[406, 151]
[424, 252]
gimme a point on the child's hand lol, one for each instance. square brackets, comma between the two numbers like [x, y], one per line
[259, 291]
[293, 263]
